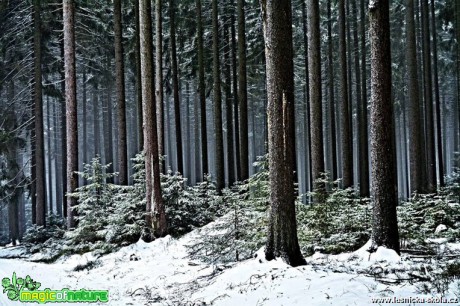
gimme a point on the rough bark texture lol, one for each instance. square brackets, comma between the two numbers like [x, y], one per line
[437, 102]
[242, 93]
[121, 103]
[314, 75]
[364, 188]
[428, 97]
[220, 173]
[383, 151]
[159, 81]
[415, 157]
[229, 105]
[107, 122]
[71, 108]
[201, 89]
[155, 210]
[345, 126]
[282, 236]
[40, 185]
[175, 81]
[137, 54]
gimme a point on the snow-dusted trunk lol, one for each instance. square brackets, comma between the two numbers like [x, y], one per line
[383, 152]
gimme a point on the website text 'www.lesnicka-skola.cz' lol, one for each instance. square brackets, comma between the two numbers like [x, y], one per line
[415, 300]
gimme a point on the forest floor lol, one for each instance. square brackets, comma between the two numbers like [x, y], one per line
[162, 273]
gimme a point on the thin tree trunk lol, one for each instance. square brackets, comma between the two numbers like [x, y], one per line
[175, 81]
[314, 75]
[159, 81]
[201, 89]
[242, 93]
[50, 152]
[228, 104]
[138, 81]
[415, 156]
[347, 146]
[235, 92]
[57, 172]
[71, 108]
[383, 151]
[220, 173]
[39, 130]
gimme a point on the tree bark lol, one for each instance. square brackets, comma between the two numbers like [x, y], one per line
[71, 108]
[159, 82]
[282, 236]
[121, 103]
[138, 81]
[383, 151]
[155, 209]
[228, 104]
[316, 113]
[40, 184]
[242, 93]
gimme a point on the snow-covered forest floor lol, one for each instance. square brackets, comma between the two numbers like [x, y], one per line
[163, 273]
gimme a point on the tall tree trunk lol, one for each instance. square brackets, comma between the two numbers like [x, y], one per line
[155, 209]
[71, 108]
[96, 126]
[282, 237]
[415, 157]
[347, 146]
[364, 188]
[57, 167]
[316, 108]
[437, 101]
[235, 92]
[159, 81]
[228, 104]
[50, 154]
[188, 158]
[428, 92]
[330, 70]
[121, 103]
[107, 122]
[84, 121]
[201, 89]
[175, 81]
[40, 184]
[63, 128]
[383, 151]
[220, 173]
[242, 93]
[137, 56]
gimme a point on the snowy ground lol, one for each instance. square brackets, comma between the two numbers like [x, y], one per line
[161, 273]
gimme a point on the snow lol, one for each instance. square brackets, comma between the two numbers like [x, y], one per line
[162, 273]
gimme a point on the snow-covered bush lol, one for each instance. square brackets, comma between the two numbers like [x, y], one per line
[95, 204]
[36, 235]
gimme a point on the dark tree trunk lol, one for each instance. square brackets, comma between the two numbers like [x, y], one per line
[415, 156]
[428, 92]
[228, 105]
[175, 81]
[121, 103]
[71, 108]
[316, 108]
[282, 237]
[57, 167]
[307, 152]
[347, 146]
[383, 151]
[40, 184]
[155, 209]
[159, 81]
[201, 89]
[50, 155]
[138, 81]
[364, 188]
[63, 128]
[220, 173]
[242, 93]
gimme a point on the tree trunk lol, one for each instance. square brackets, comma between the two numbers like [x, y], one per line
[138, 81]
[383, 151]
[316, 108]
[415, 156]
[71, 109]
[201, 89]
[40, 184]
[175, 81]
[121, 103]
[347, 146]
[242, 93]
[228, 104]
[50, 154]
[159, 82]
[220, 173]
[155, 210]
[282, 237]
